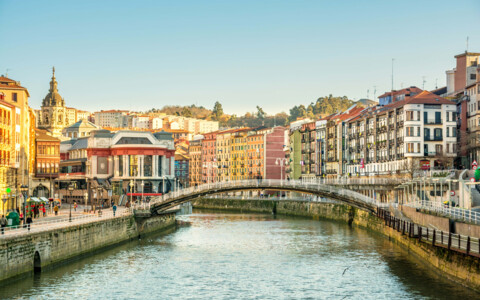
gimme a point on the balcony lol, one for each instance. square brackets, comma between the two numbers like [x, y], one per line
[432, 122]
[400, 124]
[435, 138]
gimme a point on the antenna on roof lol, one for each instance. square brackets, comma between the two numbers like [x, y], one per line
[466, 50]
[374, 92]
[368, 91]
[436, 83]
[393, 59]
[6, 72]
[423, 83]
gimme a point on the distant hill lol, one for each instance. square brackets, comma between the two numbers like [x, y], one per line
[324, 106]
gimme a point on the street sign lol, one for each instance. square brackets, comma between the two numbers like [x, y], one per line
[474, 167]
[472, 179]
[452, 193]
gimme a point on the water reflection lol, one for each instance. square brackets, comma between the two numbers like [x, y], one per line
[225, 256]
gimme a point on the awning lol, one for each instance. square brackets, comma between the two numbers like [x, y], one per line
[35, 199]
[44, 199]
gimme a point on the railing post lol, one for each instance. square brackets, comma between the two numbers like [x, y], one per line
[449, 240]
[441, 238]
[459, 242]
[434, 237]
[420, 233]
[468, 245]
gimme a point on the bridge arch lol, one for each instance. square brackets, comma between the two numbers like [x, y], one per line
[336, 192]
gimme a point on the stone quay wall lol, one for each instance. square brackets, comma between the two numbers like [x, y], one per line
[22, 254]
[456, 266]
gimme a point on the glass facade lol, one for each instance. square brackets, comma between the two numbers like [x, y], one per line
[133, 169]
[120, 165]
[148, 166]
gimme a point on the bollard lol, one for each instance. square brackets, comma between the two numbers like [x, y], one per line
[434, 236]
[468, 245]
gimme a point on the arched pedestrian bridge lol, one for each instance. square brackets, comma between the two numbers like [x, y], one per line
[341, 190]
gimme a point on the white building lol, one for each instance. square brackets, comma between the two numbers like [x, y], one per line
[110, 118]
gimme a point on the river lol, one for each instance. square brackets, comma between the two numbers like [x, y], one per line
[238, 256]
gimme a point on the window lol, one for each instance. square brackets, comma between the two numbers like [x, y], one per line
[147, 166]
[473, 76]
[120, 165]
[14, 97]
[133, 171]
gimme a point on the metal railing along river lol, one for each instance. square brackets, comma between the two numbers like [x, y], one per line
[451, 241]
[466, 215]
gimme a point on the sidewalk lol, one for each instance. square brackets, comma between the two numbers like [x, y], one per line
[62, 220]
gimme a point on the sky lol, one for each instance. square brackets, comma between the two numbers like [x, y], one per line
[139, 55]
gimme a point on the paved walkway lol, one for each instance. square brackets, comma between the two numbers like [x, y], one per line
[62, 220]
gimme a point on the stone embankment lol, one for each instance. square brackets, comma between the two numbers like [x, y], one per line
[24, 253]
[456, 266]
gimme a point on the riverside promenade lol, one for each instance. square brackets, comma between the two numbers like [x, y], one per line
[57, 239]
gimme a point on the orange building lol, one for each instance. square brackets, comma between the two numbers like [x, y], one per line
[209, 161]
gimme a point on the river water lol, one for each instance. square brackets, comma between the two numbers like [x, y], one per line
[238, 256]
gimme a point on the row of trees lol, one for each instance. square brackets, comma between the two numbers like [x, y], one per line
[322, 107]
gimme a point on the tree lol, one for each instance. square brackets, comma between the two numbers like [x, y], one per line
[411, 166]
[186, 112]
[260, 113]
[217, 110]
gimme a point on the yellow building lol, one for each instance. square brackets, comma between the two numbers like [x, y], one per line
[223, 156]
[18, 164]
[238, 155]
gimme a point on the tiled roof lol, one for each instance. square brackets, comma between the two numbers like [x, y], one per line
[412, 89]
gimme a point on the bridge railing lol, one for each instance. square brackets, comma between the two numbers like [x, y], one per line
[466, 215]
[308, 186]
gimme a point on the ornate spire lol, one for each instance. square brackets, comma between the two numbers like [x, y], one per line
[53, 83]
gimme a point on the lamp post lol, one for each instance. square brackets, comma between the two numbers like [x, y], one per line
[86, 199]
[282, 161]
[24, 191]
[142, 184]
[131, 191]
[99, 190]
[71, 187]
[4, 199]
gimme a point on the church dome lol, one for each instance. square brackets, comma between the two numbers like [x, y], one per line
[53, 98]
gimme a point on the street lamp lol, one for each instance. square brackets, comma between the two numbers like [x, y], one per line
[99, 190]
[142, 184]
[24, 191]
[131, 191]
[282, 161]
[4, 199]
[86, 199]
[71, 187]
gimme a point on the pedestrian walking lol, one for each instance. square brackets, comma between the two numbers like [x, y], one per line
[75, 206]
[29, 221]
[55, 209]
[114, 208]
[44, 211]
[3, 223]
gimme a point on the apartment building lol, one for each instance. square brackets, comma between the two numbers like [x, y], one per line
[110, 118]
[402, 137]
